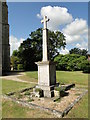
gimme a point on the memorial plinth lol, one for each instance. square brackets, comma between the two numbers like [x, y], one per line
[47, 77]
[46, 68]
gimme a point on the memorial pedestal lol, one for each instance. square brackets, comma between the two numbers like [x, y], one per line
[46, 77]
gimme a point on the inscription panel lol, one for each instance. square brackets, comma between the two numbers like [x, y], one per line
[43, 75]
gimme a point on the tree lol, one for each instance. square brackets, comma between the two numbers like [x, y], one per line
[86, 66]
[78, 51]
[14, 62]
[70, 62]
[56, 41]
[30, 51]
[84, 52]
[15, 53]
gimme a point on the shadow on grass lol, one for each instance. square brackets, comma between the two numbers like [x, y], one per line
[12, 73]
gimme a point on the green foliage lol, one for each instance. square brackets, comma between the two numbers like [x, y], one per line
[15, 53]
[30, 51]
[61, 90]
[20, 66]
[19, 96]
[57, 88]
[56, 41]
[78, 51]
[70, 62]
[86, 66]
[38, 90]
[14, 62]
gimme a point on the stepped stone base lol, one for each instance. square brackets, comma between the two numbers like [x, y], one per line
[48, 91]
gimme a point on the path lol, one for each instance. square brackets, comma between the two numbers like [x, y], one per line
[15, 77]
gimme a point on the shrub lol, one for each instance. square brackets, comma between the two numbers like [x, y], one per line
[40, 91]
[61, 90]
[86, 66]
[70, 62]
[20, 67]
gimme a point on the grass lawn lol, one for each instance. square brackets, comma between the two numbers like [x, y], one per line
[30, 76]
[63, 77]
[80, 110]
[11, 109]
[72, 77]
[11, 86]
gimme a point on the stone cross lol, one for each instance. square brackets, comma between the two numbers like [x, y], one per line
[45, 38]
[45, 20]
[46, 68]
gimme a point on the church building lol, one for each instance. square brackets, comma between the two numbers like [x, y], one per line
[5, 39]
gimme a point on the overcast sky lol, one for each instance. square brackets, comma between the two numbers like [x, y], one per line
[69, 18]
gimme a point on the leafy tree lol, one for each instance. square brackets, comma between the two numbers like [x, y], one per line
[86, 66]
[30, 51]
[14, 62]
[78, 51]
[56, 41]
[15, 53]
[70, 62]
[84, 52]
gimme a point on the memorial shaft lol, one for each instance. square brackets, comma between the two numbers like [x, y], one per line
[45, 39]
[45, 45]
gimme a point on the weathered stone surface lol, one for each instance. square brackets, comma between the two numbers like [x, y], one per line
[45, 87]
[48, 91]
[46, 69]
[45, 39]
[46, 73]
[5, 39]
[56, 93]
[0, 38]
[0, 59]
[68, 87]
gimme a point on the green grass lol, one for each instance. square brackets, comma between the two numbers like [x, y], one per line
[33, 74]
[13, 110]
[30, 76]
[63, 77]
[18, 111]
[12, 86]
[72, 77]
[80, 110]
